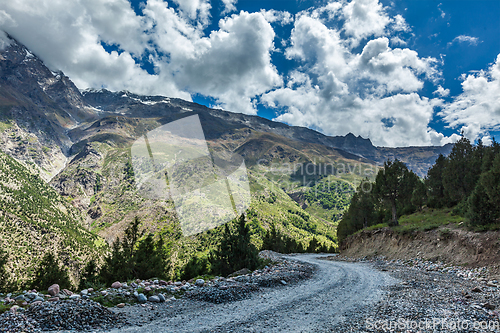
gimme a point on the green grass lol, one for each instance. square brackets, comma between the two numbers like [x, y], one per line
[488, 227]
[4, 126]
[426, 220]
[4, 308]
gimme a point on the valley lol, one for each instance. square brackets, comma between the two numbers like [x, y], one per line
[76, 145]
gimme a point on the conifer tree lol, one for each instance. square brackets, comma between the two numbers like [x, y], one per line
[6, 284]
[313, 245]
[484, 202]
[150, 259]
[461, 173]
[434, 184]
[50, 272]
[196, 266]
[394, 185]
[133, 258]
[89, 277]
[235, 251]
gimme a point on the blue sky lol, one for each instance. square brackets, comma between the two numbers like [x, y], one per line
[398, 72]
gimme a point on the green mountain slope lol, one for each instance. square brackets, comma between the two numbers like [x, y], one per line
[35, 219]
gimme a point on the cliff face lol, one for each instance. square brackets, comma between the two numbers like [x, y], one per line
[449, 244]
[37, 107]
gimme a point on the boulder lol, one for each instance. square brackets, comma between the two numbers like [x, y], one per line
[161, 297]
[116, 285]
[200, 282]
[121, 305]
[53, 290]
[141, 298]
[154, 299]
[67, 292]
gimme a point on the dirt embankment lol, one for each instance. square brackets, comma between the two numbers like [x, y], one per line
[449, 244]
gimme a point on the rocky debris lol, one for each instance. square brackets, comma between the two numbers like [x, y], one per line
[239, 286]
[428, 292]
[154, 299]
[477, 290]
[60, 315]
[242, 271]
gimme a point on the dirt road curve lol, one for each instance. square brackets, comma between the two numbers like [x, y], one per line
[314, 305]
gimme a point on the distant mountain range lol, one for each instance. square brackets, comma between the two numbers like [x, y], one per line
[79, 143]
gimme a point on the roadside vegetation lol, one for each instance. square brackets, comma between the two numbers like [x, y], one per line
[462, 189]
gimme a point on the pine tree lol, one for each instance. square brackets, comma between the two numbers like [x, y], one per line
[150, 259]
[434, 184]
[132, 236]
[6, 284]
[484, 202]
[235, 251]
[273, 240]
[196, 266]
[394, 185]
[117, 265]
[48, 273]
[313, 245]
[461, 172]
[133, 258]
[90, 277]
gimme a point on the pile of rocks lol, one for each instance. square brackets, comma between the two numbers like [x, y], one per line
[477, 273]
[58, 315]
[242, 283]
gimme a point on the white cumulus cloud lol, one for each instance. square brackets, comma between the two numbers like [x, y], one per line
[477, 109]
[373, 92]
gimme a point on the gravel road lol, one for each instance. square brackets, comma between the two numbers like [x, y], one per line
[315, 305]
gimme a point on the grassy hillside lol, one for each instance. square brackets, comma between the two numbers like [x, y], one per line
[34, 219]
